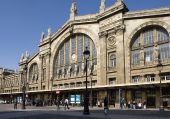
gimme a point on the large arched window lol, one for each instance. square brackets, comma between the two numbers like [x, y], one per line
[69, 60]
[148, 43]
[33, 73]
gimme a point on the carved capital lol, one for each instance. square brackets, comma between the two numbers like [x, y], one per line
[103, 34]
[71, 28]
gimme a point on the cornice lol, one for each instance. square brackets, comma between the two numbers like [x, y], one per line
[45, 41]
[33, 56]
[147, 13]
[70, 24]
[113, 10]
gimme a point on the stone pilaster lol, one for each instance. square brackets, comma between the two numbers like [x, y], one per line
[120, 56]
[102, 63]
[142, 58]
[48, 78]
[40, 72]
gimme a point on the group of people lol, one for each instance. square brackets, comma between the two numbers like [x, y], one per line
[135, 104]
[64, 102]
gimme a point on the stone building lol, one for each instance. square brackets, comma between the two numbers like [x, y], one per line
[9, 84]
[129, 57]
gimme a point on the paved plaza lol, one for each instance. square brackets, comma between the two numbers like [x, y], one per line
[50, 112]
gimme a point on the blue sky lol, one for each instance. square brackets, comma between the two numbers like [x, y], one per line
[22, 21]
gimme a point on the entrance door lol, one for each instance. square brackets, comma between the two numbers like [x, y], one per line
[151, 101]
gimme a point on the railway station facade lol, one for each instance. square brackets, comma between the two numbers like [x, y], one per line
[129, 58]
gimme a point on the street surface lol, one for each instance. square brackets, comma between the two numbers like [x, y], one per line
[50, 112]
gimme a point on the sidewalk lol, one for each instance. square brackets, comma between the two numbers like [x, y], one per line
[10, 107]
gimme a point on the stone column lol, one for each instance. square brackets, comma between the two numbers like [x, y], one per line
[101, 62]
[40, 72]
[142, 58]
[48, 78]
[121, 62]
[20, 81]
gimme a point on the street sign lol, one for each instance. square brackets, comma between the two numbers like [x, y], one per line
[57, 92]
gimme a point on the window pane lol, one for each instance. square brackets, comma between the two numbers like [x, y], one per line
[136, 42]
[135, 79]
[113, 60]
[80, 47]
[73, 45]
[94, 50]
[67, 51]
[87, 42]
[135, 57]
[164, 51]
[148, 54]
[148, 37]
[162, 35]
[62, 56]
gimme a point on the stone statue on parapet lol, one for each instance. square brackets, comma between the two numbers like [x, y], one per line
[22, 57]
[102, 6]
[42, 36]
[27, 55]
[49, 31]
[73, 10]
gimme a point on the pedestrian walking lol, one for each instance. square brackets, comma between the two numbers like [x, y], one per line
[66, 103]
[144, 104]
[105, 106]
[15, 104]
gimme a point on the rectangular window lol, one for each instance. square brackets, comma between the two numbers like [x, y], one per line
[112, 63]
[135, 79]
[165, 76]
[135, 57]
[112, 81]
[149, 78]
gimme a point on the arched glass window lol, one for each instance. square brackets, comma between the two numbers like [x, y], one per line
[69, 59]
[33, 73]
[148, 43]
[112, 61]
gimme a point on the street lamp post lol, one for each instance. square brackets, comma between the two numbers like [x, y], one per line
[86, 54]
[11, 96]
[24, 87]
[91, 93]
[159, 67]
[51, 91]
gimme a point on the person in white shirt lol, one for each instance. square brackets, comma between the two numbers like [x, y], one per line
[66, 103]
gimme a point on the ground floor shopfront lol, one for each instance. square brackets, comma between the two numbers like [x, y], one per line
[132, 94]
